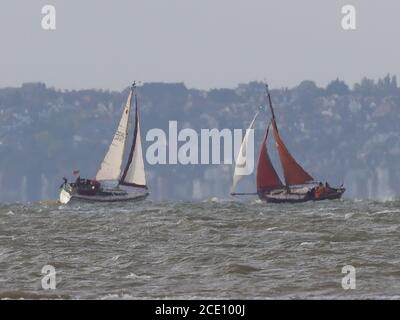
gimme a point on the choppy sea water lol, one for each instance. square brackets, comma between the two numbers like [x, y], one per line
[212, 249]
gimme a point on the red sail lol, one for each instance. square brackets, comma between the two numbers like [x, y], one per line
[267, 178]
[294, 173]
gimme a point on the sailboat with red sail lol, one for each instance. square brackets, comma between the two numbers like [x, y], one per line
[298, 186]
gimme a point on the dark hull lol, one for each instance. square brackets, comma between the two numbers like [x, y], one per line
[284, 197]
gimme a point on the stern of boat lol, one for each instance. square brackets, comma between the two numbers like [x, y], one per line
[336, 193]
[65, 194]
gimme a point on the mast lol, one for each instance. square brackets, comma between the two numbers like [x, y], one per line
[270, 105]
[134, 174]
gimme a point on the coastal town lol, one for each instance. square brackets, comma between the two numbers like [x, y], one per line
[350, 134]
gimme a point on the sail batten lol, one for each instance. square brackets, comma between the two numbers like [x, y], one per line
[110, 168]
[266, 176]
[134, 174]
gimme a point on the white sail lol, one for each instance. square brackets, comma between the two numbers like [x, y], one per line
[135, 175]
[110, 168]
[241, 165]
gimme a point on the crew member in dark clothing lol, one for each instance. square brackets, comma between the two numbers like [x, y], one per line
[328, 187]
[64, 183]
[311, 193]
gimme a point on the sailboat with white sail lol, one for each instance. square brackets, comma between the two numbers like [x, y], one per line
[132, 176]
[299, 185]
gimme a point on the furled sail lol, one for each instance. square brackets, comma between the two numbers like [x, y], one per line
[293, 172]
[266, 176]
[240, 164]
[110, 168]
[134, 174]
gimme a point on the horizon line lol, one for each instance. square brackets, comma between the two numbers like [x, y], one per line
[238, 84]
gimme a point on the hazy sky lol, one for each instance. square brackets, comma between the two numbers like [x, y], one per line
[204, 43]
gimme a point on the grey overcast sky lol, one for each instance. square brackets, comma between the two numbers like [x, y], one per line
[203, 43]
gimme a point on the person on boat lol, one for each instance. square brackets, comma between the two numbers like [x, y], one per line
[320, 190]
[78, 181]
[64, 183]
[327, 185]
[328, 188]
[311, 193]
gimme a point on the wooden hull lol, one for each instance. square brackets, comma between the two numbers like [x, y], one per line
[285, 197]
[68, 194]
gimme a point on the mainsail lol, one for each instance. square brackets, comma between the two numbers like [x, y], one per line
[240, 164]
[293, 172]
[134, 174]
[110, 168]
[266, 176]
